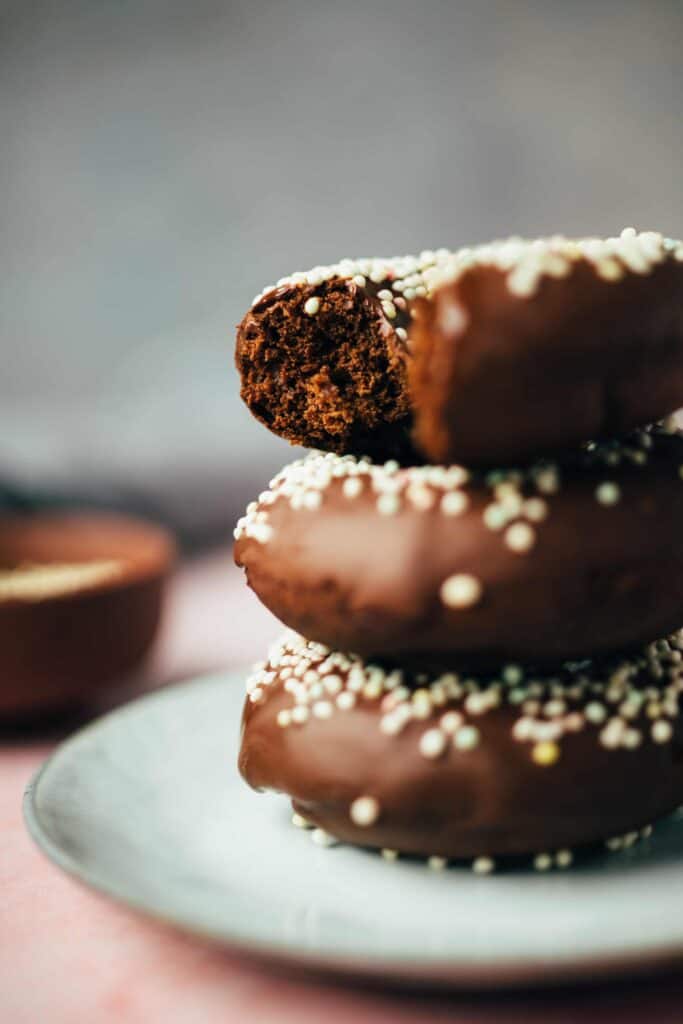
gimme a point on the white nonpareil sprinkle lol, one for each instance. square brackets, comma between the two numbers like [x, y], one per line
[608, 493]
[352, 487]
[520, 538]
[388, 504]
[322, 709]
[432, 743]
[312, 305]
[466, 738]
[322, 838]
[662, 731]
[454, 503]
[535, 509]
[461, 591]
[364, 811]
[543, 862]
[299, 821]
[437, 863]
[483, 865]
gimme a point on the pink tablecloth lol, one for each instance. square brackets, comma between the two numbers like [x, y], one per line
[68, 956]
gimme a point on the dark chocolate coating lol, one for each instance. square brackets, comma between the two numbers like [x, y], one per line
[62, 649]
[598, 578]
[495, 376]
[491, 800]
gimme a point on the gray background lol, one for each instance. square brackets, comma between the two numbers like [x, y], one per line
[161, 162]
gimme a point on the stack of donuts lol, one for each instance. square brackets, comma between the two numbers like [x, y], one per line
[481, 561]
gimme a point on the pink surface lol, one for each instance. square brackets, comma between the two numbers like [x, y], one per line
[67, 955]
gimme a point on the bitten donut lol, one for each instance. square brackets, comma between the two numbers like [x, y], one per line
[322, 356]
[453, 766]
[429, 562]
[496, 352]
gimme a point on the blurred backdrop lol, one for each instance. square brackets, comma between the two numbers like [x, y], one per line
[161, 161]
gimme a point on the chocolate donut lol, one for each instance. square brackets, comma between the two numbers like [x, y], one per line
[497, 352]
[455, 767]
[422, 564]
[529, 348]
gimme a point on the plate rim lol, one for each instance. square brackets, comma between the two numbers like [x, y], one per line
[508, 972]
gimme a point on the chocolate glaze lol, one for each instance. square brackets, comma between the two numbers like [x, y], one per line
[495, 376]
[493, 799]
[598, 578]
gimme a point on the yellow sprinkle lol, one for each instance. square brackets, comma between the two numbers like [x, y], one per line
[546, 753]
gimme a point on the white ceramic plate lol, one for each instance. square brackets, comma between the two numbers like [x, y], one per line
[146, 806]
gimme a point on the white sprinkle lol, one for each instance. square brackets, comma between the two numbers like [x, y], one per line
[312, 305]
[300, 714]
[451, 722]
[595, 712]
[466, 738]
[608, 493]
[543, 862]
[346, 700]
[520, 537]
[284, 718]
[364, 811]
[432, 743]
[322, 838]
[352, 487]
[513, 674]
[420, 497]
[495, 517]
[312, 500]
[388, 504]
[632, 739]
[563, 858]
[260, 532]
[535, 509]
[437, 863]
[391, 724]
[461, 591]
[547, 480]
[322, 709]
[483, 865]
[299, 821]
[332, 684]
[661, 731]
[389, 854]
[454, 503]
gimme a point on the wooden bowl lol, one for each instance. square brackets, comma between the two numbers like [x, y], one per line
[80, 604]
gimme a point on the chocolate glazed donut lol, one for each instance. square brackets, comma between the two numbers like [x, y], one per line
[509, 364]
[429, 563]
[460, 767]
[497, 352]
